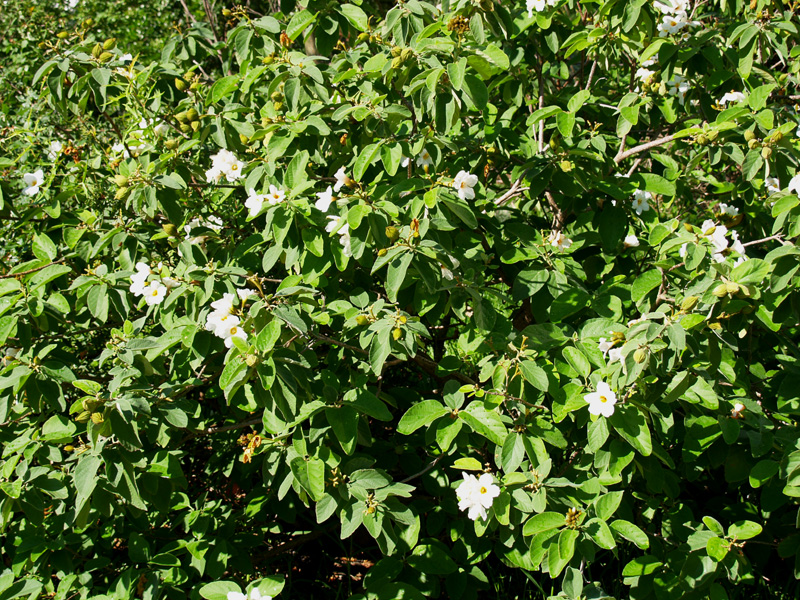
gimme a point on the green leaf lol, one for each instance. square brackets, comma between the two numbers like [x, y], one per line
[269, 334]
[631, 533]
[344, 421]
[655, 184]
[456, 71]
[762, 472]
[600, 533]
[494, 55]
[632, 426]
[356, 16]
[432, 558]
[543, 522]
[758, 97]
[299, 22]
[396, 274]
[752, 271]
[422, 413]
[644, 284]
[578, 100]
[607, 504]
[296, 171]
[218, 590]
[468, 464]
[486, 423]
[641, 565]
[43, 247]
[84, 479]
[365, 159]
[513, 452]
[716, 548]
[222, 87]
[597, 434]
[577, 361]
[744, 530]
[534, 375]
[476, 90]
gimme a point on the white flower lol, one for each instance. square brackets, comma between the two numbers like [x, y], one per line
[254, 595]
[631, 241]
[225, 304]
[341, 179]
[255, 202]
[276, 195]
[244, 293]
[738, 407]
[615, 355]
[672, 6]
[424, 160]
[405, 162]
[139, 279]
[640, 201]
[33, 181]
[224, 163]
[737, 245]
[335, 224]
[535, 5]
[727, 209]
[476, 495]
[643, 74]
[672, 24]
[54, 149]
[683, 249]
[446, 273]
[170, 283]
[233, 332]
[339, 226]
[559, 240]
[732, 97]
[464, 182]
[214, 223]
[154, 293]
[604, 345]
[126, 58]
[678, 86]
[602, 401]
[161, 129]
[118, 148]
[794, 184]
[772, 184]
[324, 200]
[8, 355]
[220, 323]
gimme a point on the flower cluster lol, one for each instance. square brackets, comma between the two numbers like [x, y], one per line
[222, 321]
[476, 494]
[675, 18]
[213, 223]
[719, 243]
[255, 202]
[732, 97]
[224, 164]
[678, 86]
[559, 240]
[154, 291]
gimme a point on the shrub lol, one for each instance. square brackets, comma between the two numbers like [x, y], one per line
[465, 285]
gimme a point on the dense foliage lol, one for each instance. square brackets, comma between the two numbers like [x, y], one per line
[483, 299]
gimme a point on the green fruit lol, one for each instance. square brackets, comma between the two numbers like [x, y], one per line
[62, 34]
[195, 125]
[392, 233]
[105, 57]
[97, 51]
[362, 320]
[397, 62]
[720, 291]
[749, 135]
[689, 303]
[185, 127]
[121, 193]
[397, 333]
[766, 153]
[640, 355]
[268, 60]
[170, 229]
[180, 84]
[192, 114]
[172, 143]
[277, 106]
[120, 180]
[109, 44]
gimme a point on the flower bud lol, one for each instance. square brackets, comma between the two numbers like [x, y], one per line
[565, 165]
[749, 135]
[403, 319]
[97, 50]
[777, 136]
[195, 86]
[105, 57]
[109, 43]
[277, 106]
[185, 127]
[407, 54]
[83, 416]
[268, 60]
[640, 355]
[713, 135]
[192, 114]
[753, 144]
[392, 233]
[766, 153]
[121, 193]
[88, 22]
[42, 45]
[362, 37]
[362, 320]
[702, 140]
[172, 143]
[69, 448]
[396, 51]
[195, 125]
[243, 138]
[120, 180]
[170, 229]
[397, 62]
[180, 84]
[62, 35]
[251, 360]
[689, 303]
[285, 40]
[397, 333]
[382, 252]
[97, 418]
[226, 12]
[732, 287]
[720, 291]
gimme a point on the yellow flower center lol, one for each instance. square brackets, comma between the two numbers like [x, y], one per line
[603, 399]
[154, 293]
[483, 490]
[233, 330]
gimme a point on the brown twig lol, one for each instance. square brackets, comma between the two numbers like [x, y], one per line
[514, 190]
[777, 237]
[28, 272]
[622, 155]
